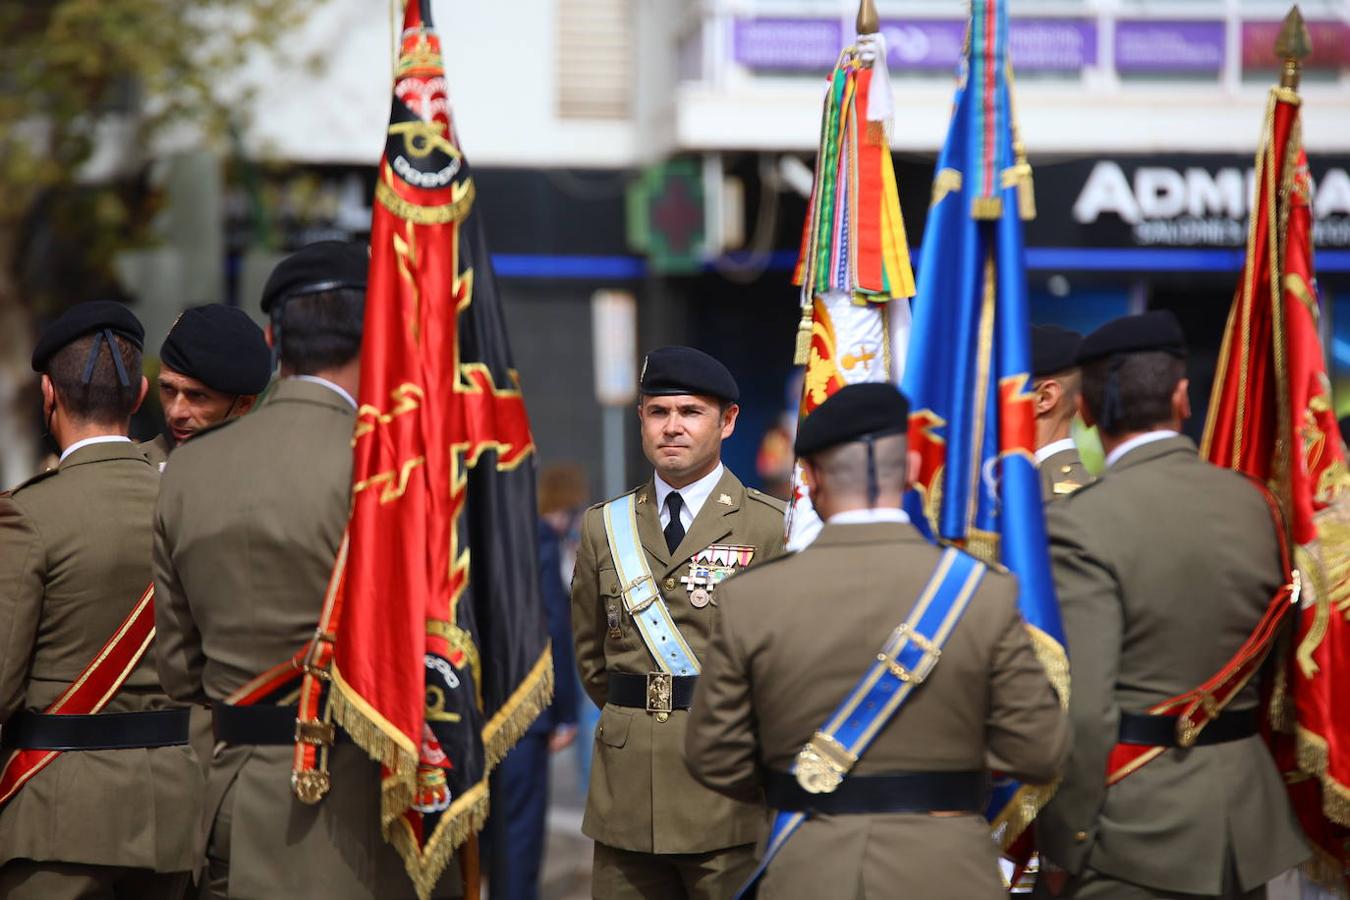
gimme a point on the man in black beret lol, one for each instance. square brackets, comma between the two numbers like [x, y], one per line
[796, 637]
[100, 796]
[1056, 382]
[213, 365]
[269, 494]
[1163, 567]
[658, 832]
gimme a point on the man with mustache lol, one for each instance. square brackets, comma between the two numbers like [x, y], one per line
[644, 606]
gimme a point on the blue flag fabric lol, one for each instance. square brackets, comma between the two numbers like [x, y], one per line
[968, 375]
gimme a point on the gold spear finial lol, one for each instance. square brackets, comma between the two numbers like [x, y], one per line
[868, 20]
[1293, 46]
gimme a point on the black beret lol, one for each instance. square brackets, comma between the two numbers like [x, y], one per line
[321, 266]
[1053, 349]
[221, 347]
[684, 370]
[87, 318]
[854, 412]
[1157, 330]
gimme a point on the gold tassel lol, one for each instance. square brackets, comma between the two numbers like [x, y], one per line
[803, 352]
[986, 208]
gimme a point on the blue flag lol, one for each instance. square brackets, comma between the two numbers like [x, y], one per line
[968, 374]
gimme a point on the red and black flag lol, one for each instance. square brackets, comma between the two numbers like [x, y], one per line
[440, 657]
[1271, 417]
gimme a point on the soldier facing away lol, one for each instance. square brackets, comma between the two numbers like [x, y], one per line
[246, 533]
[102, 800]
[876, 765]
[646, 595]
[1163, 568]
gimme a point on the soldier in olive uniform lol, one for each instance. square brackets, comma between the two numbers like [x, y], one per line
[659, 833]
[246, 533]
[115, 814]
[1163, 567]
[798, 635]
[213, 365]
[1056, 385]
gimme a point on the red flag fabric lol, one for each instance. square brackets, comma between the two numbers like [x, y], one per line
[1271, 417]
[441, 658]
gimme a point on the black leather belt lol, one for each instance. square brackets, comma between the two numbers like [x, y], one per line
[901, 792]
[1161, 731]
[655, 692]
[101, 731]
[266, 725]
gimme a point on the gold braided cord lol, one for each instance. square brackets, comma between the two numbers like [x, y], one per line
[984, 356]
[1277, 208]
[1216, 391]
[1249, 277]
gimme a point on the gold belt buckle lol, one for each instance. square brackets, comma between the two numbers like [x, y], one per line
[822, 764]
[318, 734]
[660, 695]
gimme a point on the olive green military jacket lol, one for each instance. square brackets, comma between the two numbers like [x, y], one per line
[1163, 567]
[249, 520]
[74, 560]
[794, 639]
[157, 450]
[641, 795]
[1062, 473]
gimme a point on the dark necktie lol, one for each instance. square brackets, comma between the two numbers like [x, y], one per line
[675, 530]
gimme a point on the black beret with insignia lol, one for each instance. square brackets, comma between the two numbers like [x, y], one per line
[221, 347]
[318, 267]
[683, 370]
[93, 317]
[1053, 349]
[1151, 331]
[854, 412]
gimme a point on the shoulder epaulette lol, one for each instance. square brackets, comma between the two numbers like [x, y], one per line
[768, 500]
[46, 473]
[631, 490]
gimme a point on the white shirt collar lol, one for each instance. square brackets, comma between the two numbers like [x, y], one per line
[869, 516]
[99, 439]
[315, 379]
[1138, 440]
[694, 496]
[1054, 447]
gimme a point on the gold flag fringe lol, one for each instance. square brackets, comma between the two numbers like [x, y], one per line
[520, 710]
[468, 813]
[1029, 800]
[1312, 758]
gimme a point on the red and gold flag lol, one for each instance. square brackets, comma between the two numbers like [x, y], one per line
[1271, 417]
[440, 659]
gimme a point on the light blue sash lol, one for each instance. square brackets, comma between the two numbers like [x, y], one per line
[905, 660]
[641, 597]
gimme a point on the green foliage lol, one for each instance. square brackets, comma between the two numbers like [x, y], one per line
[77, 73]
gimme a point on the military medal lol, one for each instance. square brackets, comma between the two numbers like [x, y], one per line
[709, 567]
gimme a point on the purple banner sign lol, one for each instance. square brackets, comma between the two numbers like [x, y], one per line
[788, 44]
[1167, 46]
[814, 44]
[1036, 44]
